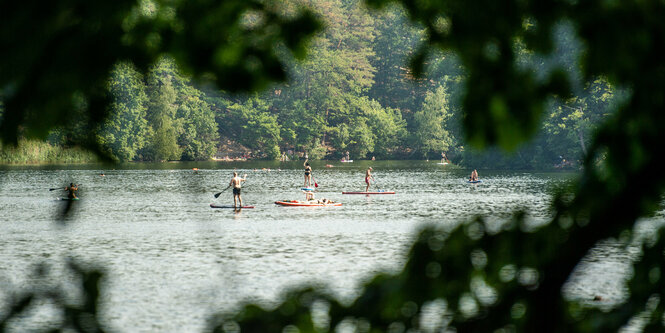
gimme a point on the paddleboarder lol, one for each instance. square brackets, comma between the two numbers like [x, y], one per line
[71, 191]
[309, 197]
[236, 182]
[444, 159]
[368, 176]
[308, 174]
[474, 176]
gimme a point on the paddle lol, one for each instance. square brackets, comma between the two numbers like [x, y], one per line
[315, 184]
[377, 185]
[218, 194]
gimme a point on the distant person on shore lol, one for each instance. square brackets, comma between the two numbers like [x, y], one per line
[308, 174]
[474, 176]
[236, 182]
[373, 158]
[72, 189]
[368, 176]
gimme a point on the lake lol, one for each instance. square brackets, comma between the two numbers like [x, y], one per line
[172, 260]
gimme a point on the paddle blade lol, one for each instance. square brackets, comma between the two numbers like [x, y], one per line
[217, 194]
[316, 184]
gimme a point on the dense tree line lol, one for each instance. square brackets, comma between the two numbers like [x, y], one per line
[354, 92]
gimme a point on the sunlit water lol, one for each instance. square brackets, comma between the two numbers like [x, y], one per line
[171, 260]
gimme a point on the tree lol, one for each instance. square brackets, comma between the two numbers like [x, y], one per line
[395, 41]
[385, 126]
[337, 70]
[571, 124]
[55, 53]
[199, 135]
[125, 131]
[162, 144]
[431, 122]
[258, 128]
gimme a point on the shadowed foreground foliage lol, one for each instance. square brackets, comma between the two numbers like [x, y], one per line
[471, 278]
[75, 299]
[58, 55]
[474, 278]
[620, 182]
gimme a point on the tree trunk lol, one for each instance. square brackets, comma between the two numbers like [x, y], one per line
[580, 134]
[323, 140]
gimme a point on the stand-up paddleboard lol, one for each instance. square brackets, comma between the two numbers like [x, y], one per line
[296, 203]
[346, 161]
[474, 181]
[444, 163]
[69, 199]
[309, 189]
[375, 192]
[212, 205]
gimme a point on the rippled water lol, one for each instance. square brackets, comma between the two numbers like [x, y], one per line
[172, 260]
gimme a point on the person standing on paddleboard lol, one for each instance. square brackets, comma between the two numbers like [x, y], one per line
[308, 174]
[368, 176]
[72, 191]
[236, 182]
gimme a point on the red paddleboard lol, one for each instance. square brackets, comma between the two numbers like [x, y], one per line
[297, 203]
[228, 206]
[378, 192]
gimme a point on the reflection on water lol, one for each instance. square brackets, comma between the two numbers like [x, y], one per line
[172, 260]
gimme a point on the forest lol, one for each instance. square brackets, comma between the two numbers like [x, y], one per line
[353, 93]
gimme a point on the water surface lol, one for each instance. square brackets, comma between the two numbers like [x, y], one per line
[172, 260]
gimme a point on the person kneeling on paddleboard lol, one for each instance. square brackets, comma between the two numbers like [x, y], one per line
[368, 176]
[236, 182]
[474, 176]
[72, 191]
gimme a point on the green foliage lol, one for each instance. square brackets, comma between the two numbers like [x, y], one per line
[387, 128]
[124, 132]
[257, 127]
[396, 38]
[200, 135]
[162, 143]
[503, 101]
[77, 300]
[430, 123]
[353, 93]
[485, 279]
[570, 125]
[361, 140]
[301, 126]
[36, 152]
[58, 52]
